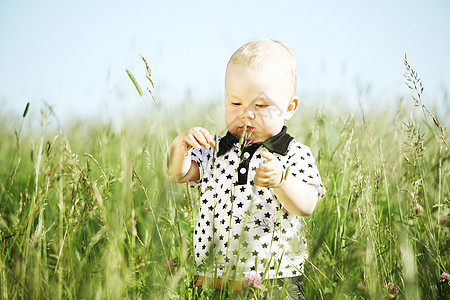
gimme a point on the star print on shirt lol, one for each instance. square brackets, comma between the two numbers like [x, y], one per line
[249, 222]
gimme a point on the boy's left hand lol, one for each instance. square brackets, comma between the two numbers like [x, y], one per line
[269, 173]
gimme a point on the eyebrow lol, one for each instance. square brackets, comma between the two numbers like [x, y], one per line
[261, 98]
[231, 95]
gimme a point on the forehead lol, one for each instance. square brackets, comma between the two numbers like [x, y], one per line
[268, 82]
[262, 97]
[239, 73]
[266, 68]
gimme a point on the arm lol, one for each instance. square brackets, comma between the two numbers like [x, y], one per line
[178, 165]
[297, 197]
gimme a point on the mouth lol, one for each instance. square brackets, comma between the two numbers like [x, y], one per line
[249, 128]
[248, 133]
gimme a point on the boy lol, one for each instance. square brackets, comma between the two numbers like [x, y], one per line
[252, 192]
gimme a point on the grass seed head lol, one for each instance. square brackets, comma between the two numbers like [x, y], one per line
[136, 85]
[26, 110]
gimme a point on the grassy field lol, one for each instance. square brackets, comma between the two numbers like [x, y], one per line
[85, 211]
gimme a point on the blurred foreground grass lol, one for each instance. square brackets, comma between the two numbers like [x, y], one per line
[86, 212]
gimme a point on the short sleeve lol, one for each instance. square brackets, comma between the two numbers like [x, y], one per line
[203, 159]
[198, 156]
[302, 165]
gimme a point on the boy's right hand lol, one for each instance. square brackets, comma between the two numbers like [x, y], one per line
[194, 138]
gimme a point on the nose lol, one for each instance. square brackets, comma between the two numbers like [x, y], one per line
[249, 114]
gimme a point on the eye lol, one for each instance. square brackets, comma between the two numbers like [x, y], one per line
[236, 104]
[261, 106]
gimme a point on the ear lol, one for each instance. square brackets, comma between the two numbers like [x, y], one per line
[292, 108]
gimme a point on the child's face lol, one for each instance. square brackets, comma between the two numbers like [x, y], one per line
[262, 99]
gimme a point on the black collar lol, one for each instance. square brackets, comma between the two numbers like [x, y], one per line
[278, 143]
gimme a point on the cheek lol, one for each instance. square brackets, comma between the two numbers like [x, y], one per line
[266, 117]
[230, 116]
[271, 122]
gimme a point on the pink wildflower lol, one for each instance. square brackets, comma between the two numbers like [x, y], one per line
[392, 289]
[252, 279]
[418, 209]
[169, 264]
[445, 277]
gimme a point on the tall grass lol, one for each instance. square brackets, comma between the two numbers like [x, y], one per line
[386, 205]
[87, 213]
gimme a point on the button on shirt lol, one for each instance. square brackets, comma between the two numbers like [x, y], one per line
[242, 226]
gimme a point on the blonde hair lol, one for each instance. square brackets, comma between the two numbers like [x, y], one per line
[263, 52]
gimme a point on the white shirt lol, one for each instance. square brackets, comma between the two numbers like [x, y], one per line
[242, 226]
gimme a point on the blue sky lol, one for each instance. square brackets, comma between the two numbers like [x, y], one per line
[73, 54]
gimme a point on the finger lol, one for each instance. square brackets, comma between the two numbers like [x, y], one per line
[262, 182]
[208, 137]
[192, 141]
[265, 167]
[270, 174]
[267, 155]
[264, 174]
[200, 138]
[186, 147]
[256, 180]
